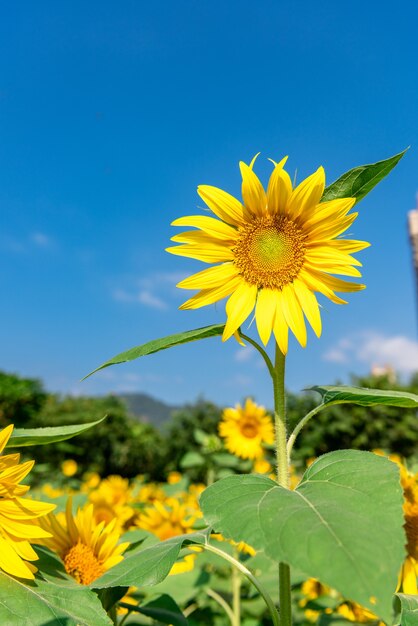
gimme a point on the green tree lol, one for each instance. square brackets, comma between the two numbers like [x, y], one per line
[21, 399]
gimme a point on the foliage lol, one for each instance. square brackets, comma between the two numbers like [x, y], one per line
[21, 399]
[118, 445]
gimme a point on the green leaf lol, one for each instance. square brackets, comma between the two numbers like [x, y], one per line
[162, 344]
[148, 566]
[365, 397]
[223, 459]
[191, 459]
[22, 437]
[342, 525]
[357, 183]
[409, 606]
[52, 598]
[163, 609]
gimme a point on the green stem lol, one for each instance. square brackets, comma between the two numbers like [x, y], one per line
[282, 474]
[261, 351]
[236, 593]
[299, 427]
[241, 567]
[222, 603]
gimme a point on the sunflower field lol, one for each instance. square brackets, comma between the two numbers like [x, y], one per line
[246, 521]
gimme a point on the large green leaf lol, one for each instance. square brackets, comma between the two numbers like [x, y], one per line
[22, 437]
[342, 525]
[162, 344]
[148, 566]
[357, 183]
[365, 397]
[163, 609]
[409, 608]
[52, 598]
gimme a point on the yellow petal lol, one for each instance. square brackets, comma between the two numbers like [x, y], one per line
[309, 304]
[265, 310]
[329, 230]
[409, 577]
[238, 308]
[210, 278]
[348, 245]
[333, 209]
[337, 284]
[225, 206]
[207, 254]
[314, 280]
[279, 189]
[281, 329]
[11, 563]
[253, 192]
[323, 255]
[210, 225]
[307, 195]
[342, 270]
[197, 237]
[5, 435]
[209, 296]
[293, 314]
[20, 508]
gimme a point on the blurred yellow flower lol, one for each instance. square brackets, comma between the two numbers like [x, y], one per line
[173, 478]
[355, 613]
[69, 467]
[168, 519]
[18, 528]
[273, 252]
[88, 549]
[110, 501]
[262, 466]
[245, 429]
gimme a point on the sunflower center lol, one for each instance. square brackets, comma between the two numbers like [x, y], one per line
[250, 427]
[81, 563]
[270, 251]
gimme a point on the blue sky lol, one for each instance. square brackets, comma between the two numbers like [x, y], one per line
[112, 113]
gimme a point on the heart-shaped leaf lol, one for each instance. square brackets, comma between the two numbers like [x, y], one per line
[343, 524]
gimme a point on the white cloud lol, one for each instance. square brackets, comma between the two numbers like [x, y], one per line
[397, 351]
[244, 354]
[41, 239]
[153, 290]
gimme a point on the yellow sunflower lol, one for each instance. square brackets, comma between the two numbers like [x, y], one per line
[18, 528]
[168, 519]
[245, 429]
[88, 549]
[273, 252]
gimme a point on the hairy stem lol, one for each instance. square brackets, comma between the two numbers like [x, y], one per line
[282, 474]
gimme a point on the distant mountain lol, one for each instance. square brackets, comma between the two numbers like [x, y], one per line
[148, 409]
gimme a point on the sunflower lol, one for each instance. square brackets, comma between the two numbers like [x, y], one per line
[168, 519]
[245, 429]
[273, 251]
[88, 549]
[18, 528]
[111, 501]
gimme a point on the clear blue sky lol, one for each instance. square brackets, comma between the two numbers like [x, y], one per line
[112, 113]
